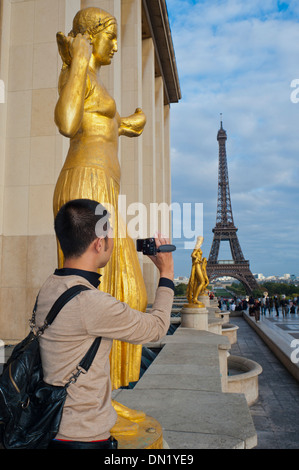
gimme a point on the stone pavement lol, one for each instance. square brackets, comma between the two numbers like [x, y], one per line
[182, 389]
[276, 413]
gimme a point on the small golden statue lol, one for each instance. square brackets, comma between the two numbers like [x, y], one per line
[198, 281]
[87, 114]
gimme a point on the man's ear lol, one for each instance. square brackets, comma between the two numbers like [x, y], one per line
[99, 244]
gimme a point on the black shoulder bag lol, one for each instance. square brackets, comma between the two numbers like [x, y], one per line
[30, 409]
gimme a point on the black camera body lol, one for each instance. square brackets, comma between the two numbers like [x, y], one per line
[148, 247]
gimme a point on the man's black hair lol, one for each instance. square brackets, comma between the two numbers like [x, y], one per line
[78, 223]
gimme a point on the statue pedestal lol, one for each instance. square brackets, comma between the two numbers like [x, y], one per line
[195, 317]
[205, 299]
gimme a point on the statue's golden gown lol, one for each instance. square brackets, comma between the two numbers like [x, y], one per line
[92, 171]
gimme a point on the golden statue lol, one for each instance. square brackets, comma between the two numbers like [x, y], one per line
[198, 280]
[87, 114]
[205, 275]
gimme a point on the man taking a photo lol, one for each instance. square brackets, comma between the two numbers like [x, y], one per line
[88, 414]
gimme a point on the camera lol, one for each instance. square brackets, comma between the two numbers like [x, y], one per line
[148, 247]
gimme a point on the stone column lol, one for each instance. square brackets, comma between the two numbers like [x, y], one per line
[5, 16]
[160, 149]
[131, 149]
[131, 97]
[167, 160]
[149, 157]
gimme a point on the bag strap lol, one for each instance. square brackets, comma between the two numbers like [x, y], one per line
[69, 294]
[62, 300]
[90, 355]
[86, 362]
[65, 297]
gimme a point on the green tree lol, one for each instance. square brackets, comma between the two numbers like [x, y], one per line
[238, 289]
[180, 289]
[280, 288]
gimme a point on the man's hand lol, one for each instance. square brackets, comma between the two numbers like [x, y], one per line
[163, 261]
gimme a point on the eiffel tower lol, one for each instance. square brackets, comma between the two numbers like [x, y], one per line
[225, 230]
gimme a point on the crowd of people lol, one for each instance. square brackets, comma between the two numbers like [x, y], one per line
[261, 306]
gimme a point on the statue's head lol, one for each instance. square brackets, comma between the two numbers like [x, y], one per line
[199, 242]
[101, 27]
[92, 21]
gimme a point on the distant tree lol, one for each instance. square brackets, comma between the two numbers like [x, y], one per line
[180, 289]
[280, 288]
[237, 288]
[257, 293]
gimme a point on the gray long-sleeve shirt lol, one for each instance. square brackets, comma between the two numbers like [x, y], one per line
[88, 414]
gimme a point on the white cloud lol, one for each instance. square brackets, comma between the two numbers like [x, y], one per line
[239, 58]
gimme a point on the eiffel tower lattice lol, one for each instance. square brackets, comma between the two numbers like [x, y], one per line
[225, 230]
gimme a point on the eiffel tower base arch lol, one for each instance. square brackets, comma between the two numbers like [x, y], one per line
[239, 271]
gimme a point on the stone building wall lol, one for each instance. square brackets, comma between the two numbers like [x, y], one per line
[32, 151]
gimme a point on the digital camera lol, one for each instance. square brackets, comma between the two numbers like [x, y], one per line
[148, 247]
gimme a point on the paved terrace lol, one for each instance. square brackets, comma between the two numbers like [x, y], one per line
[182, 389]
[279, 333]
[276, 412]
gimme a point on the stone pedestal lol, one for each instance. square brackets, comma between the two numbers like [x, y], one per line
[230, 331]
[194, 317]
[225, 315]
[205, 299]
[214, 311]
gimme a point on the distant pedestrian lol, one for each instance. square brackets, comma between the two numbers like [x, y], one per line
[293, 308]
[268, 304]
[257, 310]
[263, 305]
[284, 306]
[276, 305]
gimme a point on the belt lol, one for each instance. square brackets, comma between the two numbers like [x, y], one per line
[110, 443]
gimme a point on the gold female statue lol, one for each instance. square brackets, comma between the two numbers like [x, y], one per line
[87, 114]
[198, 281]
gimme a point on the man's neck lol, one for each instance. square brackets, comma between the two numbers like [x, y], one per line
[78, 263]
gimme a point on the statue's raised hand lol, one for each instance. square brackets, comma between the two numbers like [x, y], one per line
[70, 47]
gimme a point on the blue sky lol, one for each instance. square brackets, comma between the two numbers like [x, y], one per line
[239, 59]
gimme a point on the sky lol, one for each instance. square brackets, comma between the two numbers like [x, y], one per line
[239, 58]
